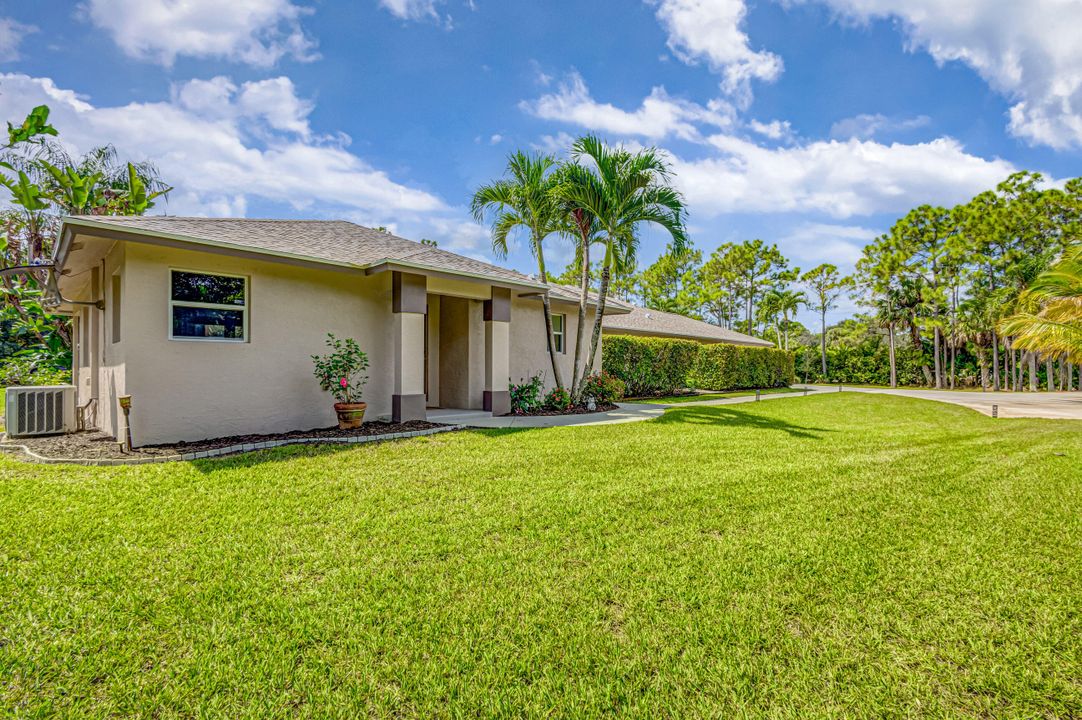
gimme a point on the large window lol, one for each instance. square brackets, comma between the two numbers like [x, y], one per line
[208, 307]
[559, 323]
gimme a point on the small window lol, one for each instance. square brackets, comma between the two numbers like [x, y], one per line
[559, 322]
[208, 307]
[114, 308]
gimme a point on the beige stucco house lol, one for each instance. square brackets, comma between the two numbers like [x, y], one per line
[210, 324]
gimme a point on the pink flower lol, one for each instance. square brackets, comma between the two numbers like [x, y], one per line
[343, 382]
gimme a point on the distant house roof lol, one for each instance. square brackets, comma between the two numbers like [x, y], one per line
[572, 294]
[330, 242]
[656, 323]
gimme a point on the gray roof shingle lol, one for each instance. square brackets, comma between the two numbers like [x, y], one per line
[330, 241]
[645, 321]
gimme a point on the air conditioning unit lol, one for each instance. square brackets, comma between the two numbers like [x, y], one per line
[40, 410]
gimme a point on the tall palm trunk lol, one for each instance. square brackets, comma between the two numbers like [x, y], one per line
[893, 358]
[1069, 385]
[584, 296]
[1032, 356]
[954, 332]
[1049, 375]
[954, 354]
[823, 340]
[982, 360]
[602, 292]
[995, 361]
[548, 314]
[937, 358]
[552, 341]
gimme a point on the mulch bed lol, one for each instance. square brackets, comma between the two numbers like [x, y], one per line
[572, 411]
[95, 445]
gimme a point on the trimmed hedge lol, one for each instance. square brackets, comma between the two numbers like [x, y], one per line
[656, 366]
[732, 367]
[647, 365]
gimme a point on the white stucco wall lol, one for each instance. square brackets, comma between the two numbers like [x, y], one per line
[193, 389]
[529, 349]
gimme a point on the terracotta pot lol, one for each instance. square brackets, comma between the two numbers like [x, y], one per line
[350, 415]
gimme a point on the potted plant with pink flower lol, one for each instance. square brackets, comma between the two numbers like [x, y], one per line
[343, 373]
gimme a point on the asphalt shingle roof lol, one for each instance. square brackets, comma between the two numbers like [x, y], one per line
[645, 321]
[333, 241]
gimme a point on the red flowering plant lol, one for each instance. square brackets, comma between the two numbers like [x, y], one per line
[343, 371]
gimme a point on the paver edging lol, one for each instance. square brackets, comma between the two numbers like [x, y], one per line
[29, 455]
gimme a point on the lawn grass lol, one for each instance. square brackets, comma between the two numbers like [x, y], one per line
[839, 555]
[677, 399]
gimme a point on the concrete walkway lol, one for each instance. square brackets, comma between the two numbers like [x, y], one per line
[1054, 405]
[626, 412]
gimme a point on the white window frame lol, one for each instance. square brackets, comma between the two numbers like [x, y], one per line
[562, 334]
[210, 306]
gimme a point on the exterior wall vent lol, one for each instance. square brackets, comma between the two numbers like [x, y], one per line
[41, 410]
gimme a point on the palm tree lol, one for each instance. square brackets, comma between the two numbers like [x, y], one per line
[789, 301]
[620, 190]
[1049, 317]
[770, 312]
[585, 231]
[525, 198]
[889, 311]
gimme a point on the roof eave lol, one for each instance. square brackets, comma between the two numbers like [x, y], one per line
[391, 264]
[122, 232]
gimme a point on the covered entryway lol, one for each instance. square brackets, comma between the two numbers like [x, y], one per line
[467, 347]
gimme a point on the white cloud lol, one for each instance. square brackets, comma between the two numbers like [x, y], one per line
[215, 160]
[1028, 51]
[411, 9]
[256, 32]
[12, 33]
[774, 130]
[273, 101]
[711, 30]
[840, 179]
[837, 178]
[867, 126]
[808, 243]
[659, 116]
[558, 144]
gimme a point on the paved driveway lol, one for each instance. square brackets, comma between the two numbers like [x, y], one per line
[1060, 405]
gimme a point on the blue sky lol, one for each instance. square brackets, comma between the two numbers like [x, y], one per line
[809, 123]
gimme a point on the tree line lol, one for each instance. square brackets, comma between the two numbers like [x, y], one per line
[44, 183]
[989, 280]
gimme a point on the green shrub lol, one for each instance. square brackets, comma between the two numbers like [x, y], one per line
[732, 367]
[869, 363]
[648, 366]
[526, 396]
[342, 372]
[25, 371]
[558, 399]
[604, 388]
[656, 366]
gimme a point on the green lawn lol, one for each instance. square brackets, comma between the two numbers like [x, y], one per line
[676, 399]
[840, 555]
